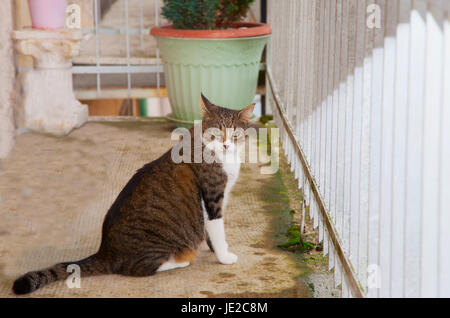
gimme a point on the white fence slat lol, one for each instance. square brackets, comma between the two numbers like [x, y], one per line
[295, 73]
[337, 271]
[290, 62]
[318, 51]
[308, 77]
[300, 174]
[345, 288]
[326, 238]
[315, 213]
[334, 112]
[399, 149]
[329, 103]
[375, 146]
[365, 151]
[390, 47]
[413, 181]
[282, 46]
[303, 80]
[431, 118]
[309, 199]
[298, 38]
[356, 135]
[321, 230]
[324, 94]
[331, 256]
[313, 29]
[348, 121]
[444, 251]
[310, 96]
[341, 122]
[311, 76]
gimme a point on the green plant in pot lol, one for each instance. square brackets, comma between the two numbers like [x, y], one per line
[208, 50]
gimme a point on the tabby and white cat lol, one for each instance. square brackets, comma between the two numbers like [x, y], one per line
[160, 217]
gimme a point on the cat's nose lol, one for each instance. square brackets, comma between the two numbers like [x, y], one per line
[226, 146]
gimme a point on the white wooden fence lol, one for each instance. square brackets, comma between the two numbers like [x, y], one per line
[364, 114]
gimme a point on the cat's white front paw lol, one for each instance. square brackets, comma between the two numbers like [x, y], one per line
[227, 258]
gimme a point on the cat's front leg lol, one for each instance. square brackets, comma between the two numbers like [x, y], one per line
[215, 230]
[216, 233]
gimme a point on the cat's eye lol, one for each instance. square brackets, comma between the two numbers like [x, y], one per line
[217, 132]
[236, 134]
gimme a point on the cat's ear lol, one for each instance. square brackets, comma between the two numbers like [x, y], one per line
[246, 113]
[205, 104]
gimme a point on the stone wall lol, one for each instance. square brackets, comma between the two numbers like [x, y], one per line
[7, 78]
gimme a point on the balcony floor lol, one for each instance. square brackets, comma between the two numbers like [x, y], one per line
[54, 193]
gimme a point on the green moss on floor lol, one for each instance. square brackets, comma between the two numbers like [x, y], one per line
[284, 230]
[304, 246]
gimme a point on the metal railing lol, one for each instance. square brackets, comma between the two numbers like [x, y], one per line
[126, 33]
[361, 92]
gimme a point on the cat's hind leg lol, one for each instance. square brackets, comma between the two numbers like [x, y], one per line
[145, 266]
[180, 260]
[172, 264]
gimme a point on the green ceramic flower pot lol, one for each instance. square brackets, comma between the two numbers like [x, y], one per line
[225, 70]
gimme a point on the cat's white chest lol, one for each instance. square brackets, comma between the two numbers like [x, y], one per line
[232, 171]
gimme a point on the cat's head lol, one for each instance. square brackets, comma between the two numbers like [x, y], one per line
[223, 128]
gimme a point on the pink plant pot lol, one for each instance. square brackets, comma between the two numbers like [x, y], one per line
[48, 14]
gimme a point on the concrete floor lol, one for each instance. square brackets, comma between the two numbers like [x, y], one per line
[54, 193]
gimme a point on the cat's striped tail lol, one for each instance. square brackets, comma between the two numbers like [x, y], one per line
[31, 281]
